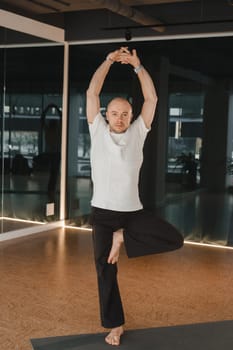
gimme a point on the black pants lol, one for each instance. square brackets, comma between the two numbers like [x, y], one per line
[143, 234]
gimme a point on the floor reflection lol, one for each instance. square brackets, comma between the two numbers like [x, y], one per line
[8, 224]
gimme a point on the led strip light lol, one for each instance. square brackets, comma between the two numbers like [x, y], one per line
[185, 242]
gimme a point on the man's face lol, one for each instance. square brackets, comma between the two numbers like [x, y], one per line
[119, 115]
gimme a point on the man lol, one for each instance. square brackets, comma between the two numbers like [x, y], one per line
[117, 213]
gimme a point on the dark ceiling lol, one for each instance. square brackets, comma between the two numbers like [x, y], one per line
[85, 21]
[143, 17]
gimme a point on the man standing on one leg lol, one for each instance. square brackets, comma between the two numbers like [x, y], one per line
[117, 213]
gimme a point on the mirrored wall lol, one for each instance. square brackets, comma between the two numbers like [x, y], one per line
[31, 109]
[187, 175]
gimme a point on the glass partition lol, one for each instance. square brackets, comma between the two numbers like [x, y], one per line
[185, 132]
[195, 91]
[31, 109]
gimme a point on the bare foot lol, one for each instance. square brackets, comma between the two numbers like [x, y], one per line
[117, 241]
[114, 337]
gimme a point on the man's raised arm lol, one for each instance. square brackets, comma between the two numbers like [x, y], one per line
[95, 86]
[147, 86]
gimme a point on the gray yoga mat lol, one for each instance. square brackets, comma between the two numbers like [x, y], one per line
[202, 336]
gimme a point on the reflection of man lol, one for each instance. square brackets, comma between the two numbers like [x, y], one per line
[116, 158]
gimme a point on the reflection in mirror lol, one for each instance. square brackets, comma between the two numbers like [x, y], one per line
[31, 133]
[187, 170]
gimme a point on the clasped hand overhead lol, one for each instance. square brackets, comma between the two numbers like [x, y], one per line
[124, 56]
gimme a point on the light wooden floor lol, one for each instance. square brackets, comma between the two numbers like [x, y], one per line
[48, 287]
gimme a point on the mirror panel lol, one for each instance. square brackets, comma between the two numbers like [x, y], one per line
[192, 186]
[31, 96]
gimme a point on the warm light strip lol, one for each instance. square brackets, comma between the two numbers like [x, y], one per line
[89, 230]
[22, 220]
[185, 242]
[209, 245]
[78, 228]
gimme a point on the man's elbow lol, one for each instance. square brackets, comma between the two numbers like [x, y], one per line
[152, 99]
[90, 93]
[155, 99]
[154, 96]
